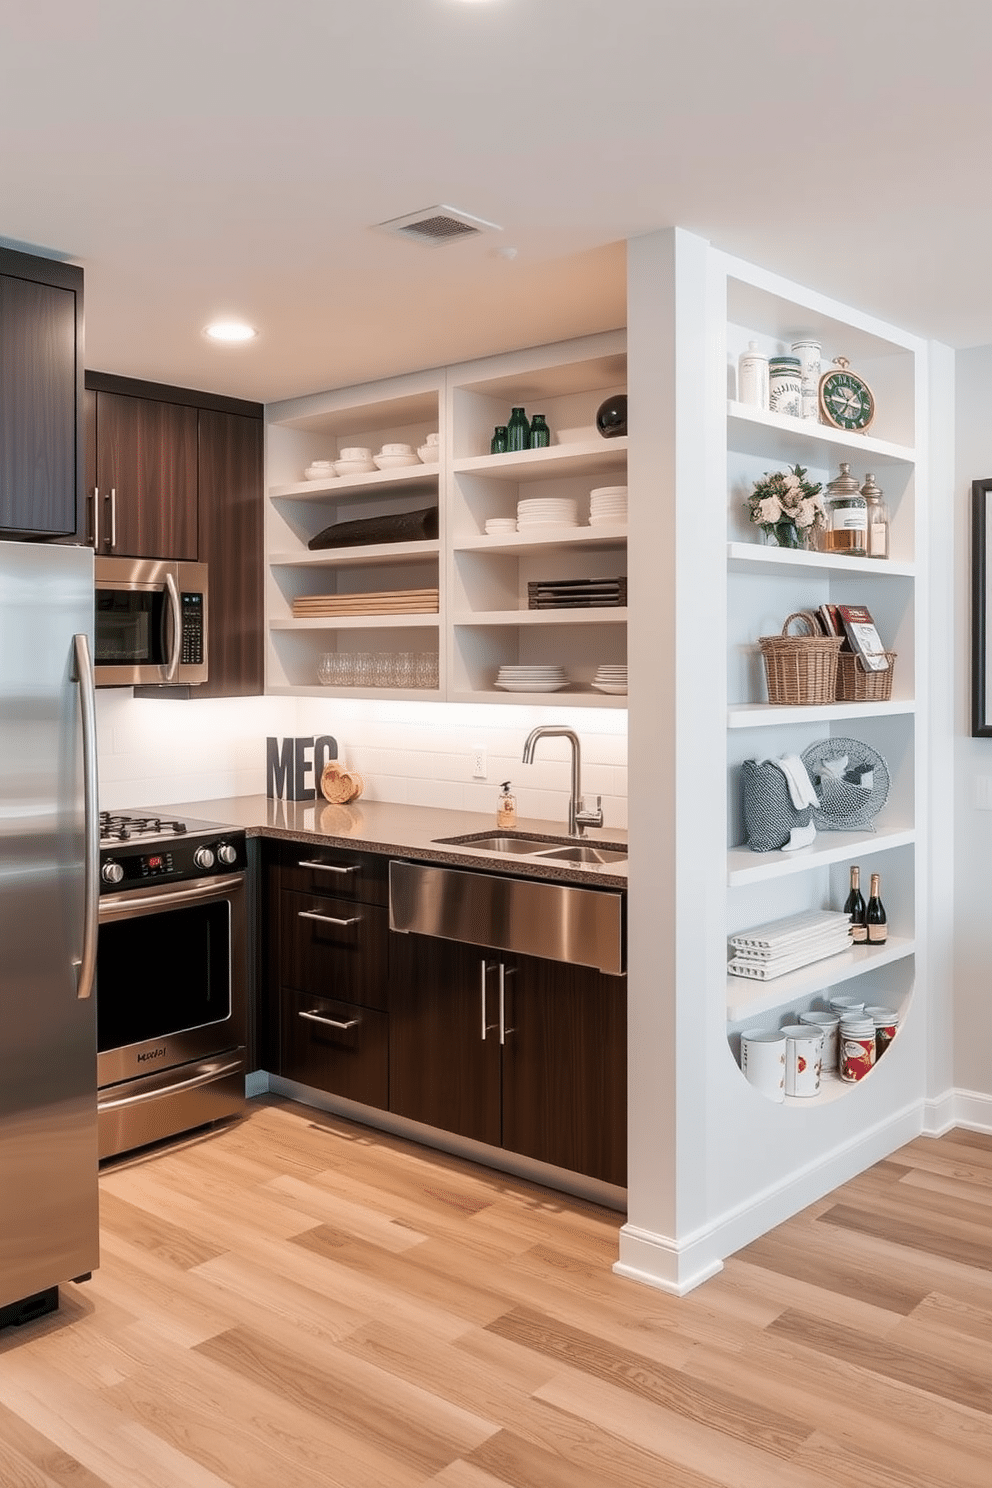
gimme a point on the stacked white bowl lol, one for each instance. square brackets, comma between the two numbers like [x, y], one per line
[546, 511]
[500, 526]
[521, 678]
[610, 677]
[355, 460]
[607, 504]
[395, 456]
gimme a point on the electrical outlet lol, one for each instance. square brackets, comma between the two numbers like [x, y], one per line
[480, 769]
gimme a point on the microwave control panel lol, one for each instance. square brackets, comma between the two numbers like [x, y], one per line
[192, 623]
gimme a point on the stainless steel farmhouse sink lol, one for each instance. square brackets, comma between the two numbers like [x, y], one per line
[521, 845]
[556, 921]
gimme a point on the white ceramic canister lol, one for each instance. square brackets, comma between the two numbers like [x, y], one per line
[752, 377]
[763, 1060]
[803, 1058]
[830, 1023]
[785, 386]
[808, 352]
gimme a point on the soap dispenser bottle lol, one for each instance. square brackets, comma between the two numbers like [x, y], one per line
[506, 807]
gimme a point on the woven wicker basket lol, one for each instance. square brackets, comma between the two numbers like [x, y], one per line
[801, 670]
[856, 684]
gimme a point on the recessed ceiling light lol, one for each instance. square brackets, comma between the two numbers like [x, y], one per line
[229, 330]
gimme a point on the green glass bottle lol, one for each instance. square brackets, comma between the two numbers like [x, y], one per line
[497, 445]
[540, 434]
[518, 430]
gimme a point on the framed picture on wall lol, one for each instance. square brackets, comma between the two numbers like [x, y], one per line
[981, 609]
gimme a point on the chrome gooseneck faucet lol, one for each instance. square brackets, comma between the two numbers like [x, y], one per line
[578, 817]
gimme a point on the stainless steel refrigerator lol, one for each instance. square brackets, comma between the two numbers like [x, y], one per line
[49, 901]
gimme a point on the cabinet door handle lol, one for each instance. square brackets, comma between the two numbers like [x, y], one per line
[113, 518]
[504, 972]
[96, 517]
[330, 867]
[485, 968]
[331, 1022]
[311, 914]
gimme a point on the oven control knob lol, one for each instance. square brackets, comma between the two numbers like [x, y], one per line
[203, 857]
[112, 872]
[227, 854]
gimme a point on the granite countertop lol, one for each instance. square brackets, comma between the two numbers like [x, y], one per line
[408, 831]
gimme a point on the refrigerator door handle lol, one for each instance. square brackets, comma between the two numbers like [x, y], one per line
[83, 675]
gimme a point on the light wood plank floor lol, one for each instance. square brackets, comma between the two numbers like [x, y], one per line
[296, 1302]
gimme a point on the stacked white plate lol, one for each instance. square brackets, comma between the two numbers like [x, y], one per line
[497, 525]
[519, 678]
[546, 511]
[610, 678]
[607, 504]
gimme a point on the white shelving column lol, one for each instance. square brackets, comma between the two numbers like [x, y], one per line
[713, 1163]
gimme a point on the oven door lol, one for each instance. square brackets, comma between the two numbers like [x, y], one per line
[171, 976]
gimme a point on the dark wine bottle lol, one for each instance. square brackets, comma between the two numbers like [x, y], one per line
[876, 920]
[854, 905]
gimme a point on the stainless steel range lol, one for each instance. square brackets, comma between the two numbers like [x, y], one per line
[171, 977]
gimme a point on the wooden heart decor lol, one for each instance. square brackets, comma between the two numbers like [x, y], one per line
[339, 785]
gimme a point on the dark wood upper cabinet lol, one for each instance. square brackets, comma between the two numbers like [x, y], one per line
[146, 482]
[176, 473]
[230, 543]
[40, 395]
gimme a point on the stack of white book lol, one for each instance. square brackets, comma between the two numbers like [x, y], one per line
[781, 946]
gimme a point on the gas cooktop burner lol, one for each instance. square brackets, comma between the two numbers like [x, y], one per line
[117, 826]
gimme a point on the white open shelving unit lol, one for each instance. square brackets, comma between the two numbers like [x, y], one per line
[483, 619]
[764, 585]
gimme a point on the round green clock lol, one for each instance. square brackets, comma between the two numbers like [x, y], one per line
[846, 400]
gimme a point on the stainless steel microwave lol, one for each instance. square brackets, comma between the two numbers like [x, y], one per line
[151, 622]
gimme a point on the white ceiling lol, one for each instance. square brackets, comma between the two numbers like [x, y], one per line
[201, 157]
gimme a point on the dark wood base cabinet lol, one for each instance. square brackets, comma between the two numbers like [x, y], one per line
[512, 1050]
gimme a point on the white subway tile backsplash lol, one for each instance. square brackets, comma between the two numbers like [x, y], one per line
[155, 752]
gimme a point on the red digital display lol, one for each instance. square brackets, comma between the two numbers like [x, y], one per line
[155, 864]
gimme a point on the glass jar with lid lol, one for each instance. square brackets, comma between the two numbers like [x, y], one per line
[846, 512]
[878, 519]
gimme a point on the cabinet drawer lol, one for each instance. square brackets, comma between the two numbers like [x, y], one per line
[329, 870]
[333, 948]
[335, 1046]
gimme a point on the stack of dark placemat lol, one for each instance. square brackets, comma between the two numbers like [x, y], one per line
[576, 594]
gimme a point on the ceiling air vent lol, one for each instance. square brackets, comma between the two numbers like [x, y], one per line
[437, 225]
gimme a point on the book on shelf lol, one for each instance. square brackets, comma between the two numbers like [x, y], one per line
[862, 636]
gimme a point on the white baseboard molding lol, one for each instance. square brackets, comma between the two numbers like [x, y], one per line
[657, 1261]
[677, 1266]
[972, 1110]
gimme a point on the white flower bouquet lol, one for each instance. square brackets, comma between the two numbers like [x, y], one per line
[787, 507]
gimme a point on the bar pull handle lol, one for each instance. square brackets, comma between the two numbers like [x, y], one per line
[329, 867]
[504, 972]
[177, 627]
[113, 518]
[95, 535]
[82, 674]
[311, 914]
[341, 1027]
[485, 968]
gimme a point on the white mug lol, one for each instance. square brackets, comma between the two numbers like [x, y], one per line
[830, 1023]
[803, 1058]
[763, 1060]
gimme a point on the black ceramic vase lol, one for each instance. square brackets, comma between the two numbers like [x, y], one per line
[611, 416]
